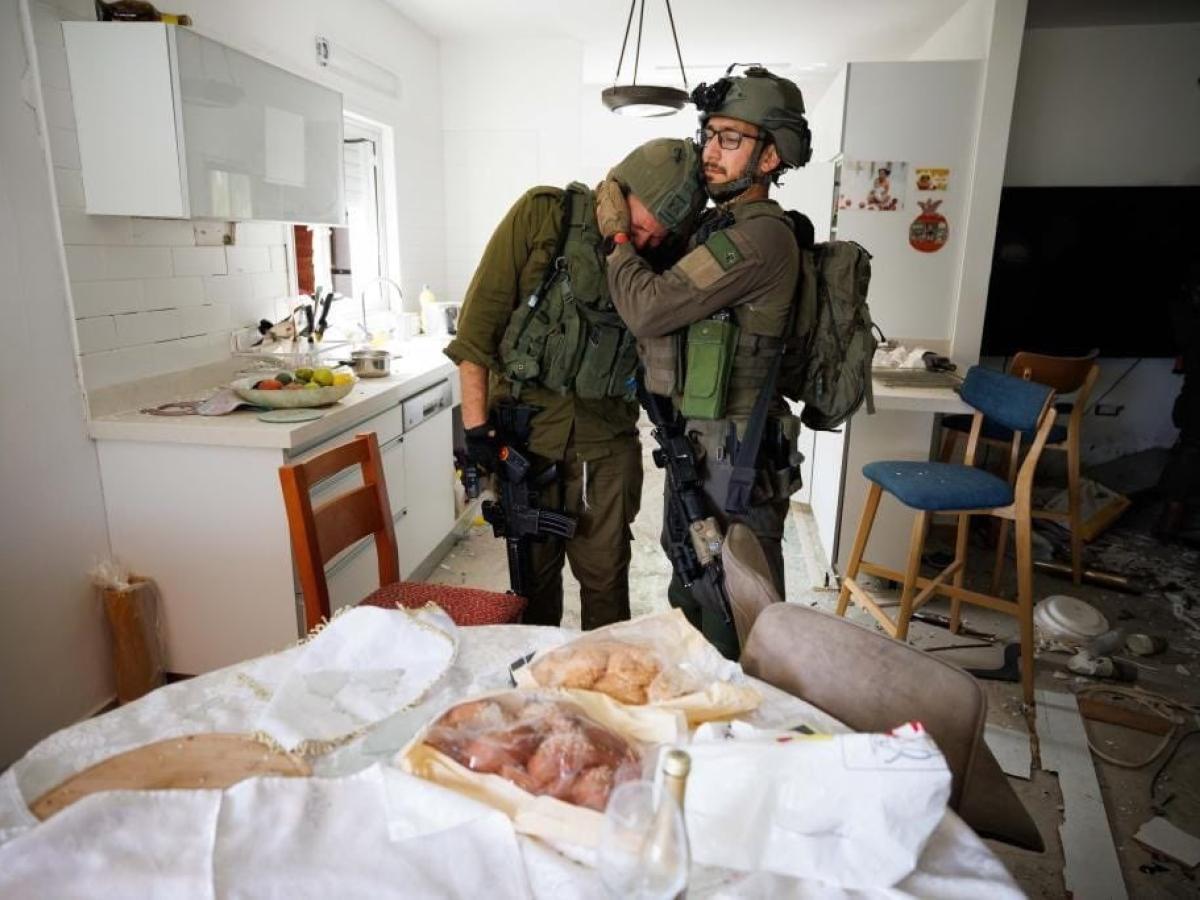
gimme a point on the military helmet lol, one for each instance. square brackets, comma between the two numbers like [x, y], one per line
[761, 98]
[665, 175]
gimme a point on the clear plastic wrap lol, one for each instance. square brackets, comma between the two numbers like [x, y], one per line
[658, 660]
[543, 746]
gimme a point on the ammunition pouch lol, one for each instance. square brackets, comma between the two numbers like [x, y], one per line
[711, 345]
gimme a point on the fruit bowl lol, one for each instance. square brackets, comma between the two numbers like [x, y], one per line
[281, 399]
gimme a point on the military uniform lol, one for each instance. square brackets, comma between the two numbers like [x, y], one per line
[744, 259]
[595, 441]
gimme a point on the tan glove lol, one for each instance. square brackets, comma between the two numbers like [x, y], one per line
[612, 210]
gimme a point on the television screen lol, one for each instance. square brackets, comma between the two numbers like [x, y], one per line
[1077, 268]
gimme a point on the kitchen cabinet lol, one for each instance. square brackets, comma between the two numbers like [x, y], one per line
[207, 521]
[172, 124]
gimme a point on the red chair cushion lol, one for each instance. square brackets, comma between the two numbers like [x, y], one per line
[465, 605]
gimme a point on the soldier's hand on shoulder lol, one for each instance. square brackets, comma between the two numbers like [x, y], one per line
[612, 210]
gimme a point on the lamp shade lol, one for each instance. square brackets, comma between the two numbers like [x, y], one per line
[644, 100]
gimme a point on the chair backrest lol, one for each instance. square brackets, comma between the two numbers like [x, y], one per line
[1066, 374]
[1015, 403]
[867, 680]
[873, 683]
[747, 578]
[320, 533]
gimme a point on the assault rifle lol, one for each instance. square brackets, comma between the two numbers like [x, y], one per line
[516, 516]
[693, 536]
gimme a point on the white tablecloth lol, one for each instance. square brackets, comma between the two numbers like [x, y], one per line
[955, 863]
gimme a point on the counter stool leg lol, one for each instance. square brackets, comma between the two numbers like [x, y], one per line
[915, 548]
[1074, 519]
[1025, 602]
[960, 557]
[860, 544]
[1001, 550]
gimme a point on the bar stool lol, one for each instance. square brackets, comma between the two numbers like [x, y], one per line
[1067, 375]
[965, 491]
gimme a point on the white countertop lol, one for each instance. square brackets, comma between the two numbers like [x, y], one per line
[918, 399]
[420, 364]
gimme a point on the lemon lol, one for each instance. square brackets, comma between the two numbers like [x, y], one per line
[304, 374]
[323, 377]
[312, 386]
[341, 378]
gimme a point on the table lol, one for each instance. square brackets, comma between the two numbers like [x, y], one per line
[955, 863]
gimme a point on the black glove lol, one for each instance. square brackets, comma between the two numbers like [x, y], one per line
[482, 446]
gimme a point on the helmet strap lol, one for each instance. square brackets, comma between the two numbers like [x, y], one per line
[730, 190]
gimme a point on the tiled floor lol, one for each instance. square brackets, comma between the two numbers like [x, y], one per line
[1168, 606]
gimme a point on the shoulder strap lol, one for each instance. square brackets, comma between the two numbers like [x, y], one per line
[555, 266]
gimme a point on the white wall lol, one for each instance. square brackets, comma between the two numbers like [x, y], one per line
[54, 656]
[147, 300]
[54, 649]
[1112, 106]
[516, 116]
[1107, 106]
[965, 35]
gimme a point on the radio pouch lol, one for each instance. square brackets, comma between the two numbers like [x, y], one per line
[710, 348]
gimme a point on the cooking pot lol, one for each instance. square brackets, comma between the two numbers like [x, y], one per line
[371, 363]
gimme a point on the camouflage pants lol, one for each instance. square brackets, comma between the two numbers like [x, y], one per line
[599, 552]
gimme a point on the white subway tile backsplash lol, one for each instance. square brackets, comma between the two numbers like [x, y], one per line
[98, 298]
[80, 228]
[138, 262]
[116, 366]
[249, 234]
[163, 232]
[190, 352]
[75, 10]
[147, 327]
[199, 260]
[64, 147]
[68, 184]
[252, 311]
[59, 112]
[228, 287]
[204, 319]
[279, 259]
[246, 260]
[268, 285]
[174, 293]
[87, 263]
[96, 334]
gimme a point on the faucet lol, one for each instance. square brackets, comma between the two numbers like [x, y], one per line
[362, 298]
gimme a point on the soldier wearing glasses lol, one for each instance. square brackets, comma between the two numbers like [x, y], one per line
[739, 278]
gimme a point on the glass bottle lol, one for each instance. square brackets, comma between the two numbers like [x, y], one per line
[136, 11]
[668, 845]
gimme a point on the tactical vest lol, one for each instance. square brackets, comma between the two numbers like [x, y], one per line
[761, 328]
[567, 336]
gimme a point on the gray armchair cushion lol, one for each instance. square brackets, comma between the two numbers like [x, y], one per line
[747, 578]
[873, 683]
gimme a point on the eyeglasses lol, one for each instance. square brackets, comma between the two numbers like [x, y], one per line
[728, 138]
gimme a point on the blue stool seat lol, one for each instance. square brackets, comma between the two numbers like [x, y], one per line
[997, 432]
[934, 486]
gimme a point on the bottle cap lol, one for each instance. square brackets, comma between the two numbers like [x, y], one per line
[676, 763]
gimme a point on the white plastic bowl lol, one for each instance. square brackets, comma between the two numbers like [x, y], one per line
[322, 396]
[1065, 618]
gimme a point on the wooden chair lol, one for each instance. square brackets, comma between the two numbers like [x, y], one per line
[964, 491]
[318, 534]
[1067, 375]
[871, 683]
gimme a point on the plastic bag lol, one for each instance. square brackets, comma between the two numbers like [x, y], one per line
[659, 660]
[547, 758]
[542, 746]
[131, 606]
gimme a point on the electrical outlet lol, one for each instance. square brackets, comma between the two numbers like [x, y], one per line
[1109, 409]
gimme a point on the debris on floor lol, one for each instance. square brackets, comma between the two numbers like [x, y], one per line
[1163, 837]
[1011, 749]
[1091, 867]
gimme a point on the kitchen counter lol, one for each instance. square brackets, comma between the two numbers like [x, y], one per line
[420, 364]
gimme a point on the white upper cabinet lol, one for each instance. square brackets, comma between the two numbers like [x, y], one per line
[175, 125]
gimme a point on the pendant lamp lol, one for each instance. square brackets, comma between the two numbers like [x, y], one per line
[645, 100]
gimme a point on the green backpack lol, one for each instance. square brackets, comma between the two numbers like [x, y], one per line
[827, 359]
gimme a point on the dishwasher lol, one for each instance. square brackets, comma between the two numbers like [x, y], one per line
[428, 520]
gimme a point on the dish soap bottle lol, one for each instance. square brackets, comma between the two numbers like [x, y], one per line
[428, 311]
